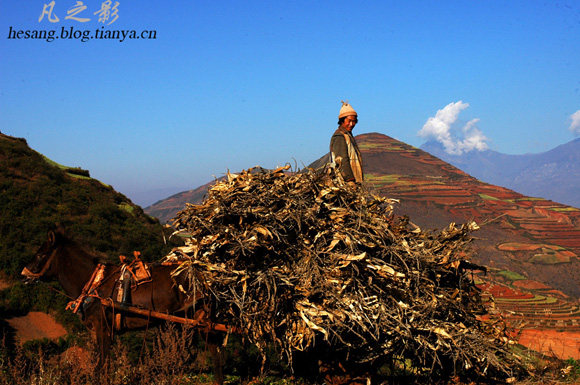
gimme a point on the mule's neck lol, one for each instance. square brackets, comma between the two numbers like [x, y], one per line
[76, 267]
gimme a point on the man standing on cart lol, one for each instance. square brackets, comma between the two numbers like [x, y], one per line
[344, 151]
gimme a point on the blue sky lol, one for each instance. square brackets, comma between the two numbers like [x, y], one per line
[227, 85]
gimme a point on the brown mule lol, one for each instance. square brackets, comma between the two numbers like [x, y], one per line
[65, 260]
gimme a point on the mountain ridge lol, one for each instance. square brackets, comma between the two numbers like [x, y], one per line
[553, 174]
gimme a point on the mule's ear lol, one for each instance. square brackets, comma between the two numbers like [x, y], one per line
[51, 238]
[55, 233]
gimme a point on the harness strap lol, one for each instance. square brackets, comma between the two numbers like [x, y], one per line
[29, 273]
[89, 288]
[126, 276]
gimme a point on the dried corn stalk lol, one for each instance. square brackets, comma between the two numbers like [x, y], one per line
[293, 258]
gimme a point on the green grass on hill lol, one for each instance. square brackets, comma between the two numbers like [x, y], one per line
[36, 193]
[510, 275]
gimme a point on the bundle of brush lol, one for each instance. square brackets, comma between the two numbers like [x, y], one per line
[290, 258]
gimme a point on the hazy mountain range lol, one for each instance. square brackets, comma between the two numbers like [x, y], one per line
[553, 174]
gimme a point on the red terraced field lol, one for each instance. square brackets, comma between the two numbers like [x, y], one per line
[521, 214]
[544, 225]
[514, 246]
[525, 310]
[448, 201]
[566, 242]
[532, 285]
[563, 345]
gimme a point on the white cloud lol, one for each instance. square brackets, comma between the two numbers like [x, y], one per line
[575, 125]
[442, 127]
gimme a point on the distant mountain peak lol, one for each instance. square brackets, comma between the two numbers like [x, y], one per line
[554, 174]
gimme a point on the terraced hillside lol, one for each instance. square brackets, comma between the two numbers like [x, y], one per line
[534, 237]
[543, 319]
[531, 304]
[530, 244]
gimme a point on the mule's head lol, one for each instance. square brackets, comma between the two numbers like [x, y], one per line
[43, 264]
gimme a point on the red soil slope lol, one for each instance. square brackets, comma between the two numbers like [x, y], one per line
[563, 345]
[36, 325]
[4, 284]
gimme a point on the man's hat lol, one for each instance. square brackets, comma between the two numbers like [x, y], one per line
[346, 110]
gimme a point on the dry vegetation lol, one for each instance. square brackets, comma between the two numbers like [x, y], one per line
[170, 357]
[303, 262]
[173, 360]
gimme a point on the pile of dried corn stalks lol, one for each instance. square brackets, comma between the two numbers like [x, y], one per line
[294, 258]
